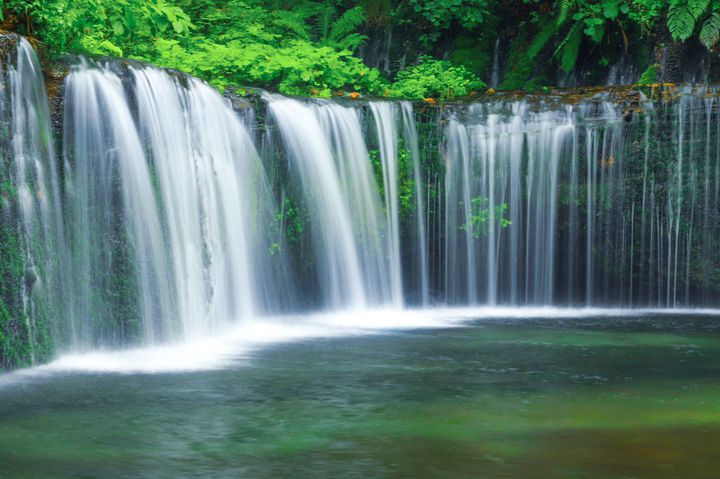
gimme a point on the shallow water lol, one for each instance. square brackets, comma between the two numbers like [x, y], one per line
[610, 396]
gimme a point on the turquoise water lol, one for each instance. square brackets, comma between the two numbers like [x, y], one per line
[620, 397]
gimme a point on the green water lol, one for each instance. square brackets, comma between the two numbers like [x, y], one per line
[587, 397]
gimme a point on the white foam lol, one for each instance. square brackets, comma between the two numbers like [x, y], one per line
[235, 345]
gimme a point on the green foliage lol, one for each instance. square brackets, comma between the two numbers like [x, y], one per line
[680, 21]
[710, 31]
[306, 50]
[683, 17]
[291, 219]
[342, 31]
[541, 39]
[298, 67]
[405, 180]
[15, 337]
[443, 13]
[591, 21]
[473, 52]
[435, 78]
[110, 27]
[481, 216]
[570, 47]
[521, 65]
[650, 75]
[441, 16]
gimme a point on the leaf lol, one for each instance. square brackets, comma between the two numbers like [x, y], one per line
[352, 41]
[710, 32]
[610, 9]
[566, 6]
[680, 22]
[118, 28]
[571, 47]
[597, 33]
[178, 26]
[697, 7]
[347, 23]
[541, 39]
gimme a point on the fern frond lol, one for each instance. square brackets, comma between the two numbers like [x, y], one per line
[352, 42]
[566, 7]
[307, 10]
[571, 49]
[710, 32]
[323, 22]
[697, 7]
[293, 25]
[541, 39]
[577, 26]
[680, 22]
[347, 23]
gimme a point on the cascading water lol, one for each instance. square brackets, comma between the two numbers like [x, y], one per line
[169, 214]
[170, 199]
[583, 204]
[31, 228]
[385, 121]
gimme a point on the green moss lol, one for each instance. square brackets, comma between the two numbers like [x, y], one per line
[520, 66]
[15, 336]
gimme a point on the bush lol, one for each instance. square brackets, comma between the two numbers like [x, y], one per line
[435, 78]
[650, 75]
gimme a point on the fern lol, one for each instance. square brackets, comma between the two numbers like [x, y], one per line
[710, 32]
[570, 47]
[324, 22]
[566, 7]
[352, 42]
[347, 23]
[541, 39]
[697, 7]
[680, 22]
[293, 25]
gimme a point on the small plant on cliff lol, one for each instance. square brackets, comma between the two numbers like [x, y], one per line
[481, 214]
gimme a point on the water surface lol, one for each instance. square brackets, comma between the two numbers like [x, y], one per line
[634, 396]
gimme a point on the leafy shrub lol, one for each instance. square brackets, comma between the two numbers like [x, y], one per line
[114, 27]
[650, 75]
[435, 78]
[298, 67]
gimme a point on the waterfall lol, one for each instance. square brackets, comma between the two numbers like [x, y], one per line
[168, 198]
[612, 203]
[411, 139]
[385, 120]
[31, 228]
[169, 212]
[495, 70]
[336, 246]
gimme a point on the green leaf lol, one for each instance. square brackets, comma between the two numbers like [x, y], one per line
[680, 22]
[566, 7]
[610, 9]
[597, 33]
[710, 32]
[697, 7]
[347, 23]
[541, 39]
[118, 28]
[571, 47]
